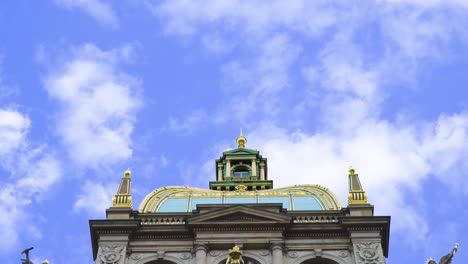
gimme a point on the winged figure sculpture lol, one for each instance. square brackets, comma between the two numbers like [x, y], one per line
[447, 259]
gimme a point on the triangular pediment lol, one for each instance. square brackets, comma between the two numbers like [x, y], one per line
[241, 151]
[241, 214]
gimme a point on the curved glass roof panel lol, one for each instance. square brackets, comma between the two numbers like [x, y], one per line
[239, 200]
[283, 200]
[306, 203]
[195, 201]
[293, 198]
[173, 205]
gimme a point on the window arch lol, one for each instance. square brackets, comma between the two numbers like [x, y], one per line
[319, 261]
[241, 171]
[160, 261]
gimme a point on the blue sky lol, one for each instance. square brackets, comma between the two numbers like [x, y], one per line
[90, 88]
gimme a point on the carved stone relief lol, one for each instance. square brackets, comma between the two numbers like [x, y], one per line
[368, 253]
[135, 256]
[343, 253]
[292, 254]
[185, 255]
[111, 254]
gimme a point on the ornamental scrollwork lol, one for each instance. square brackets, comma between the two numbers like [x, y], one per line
[292, 254]
[111, 254]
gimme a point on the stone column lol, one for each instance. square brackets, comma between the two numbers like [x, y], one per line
[200, 254]
[262, 171]
[277, 253]
[254, 169]
[220, 172]
[228, 169]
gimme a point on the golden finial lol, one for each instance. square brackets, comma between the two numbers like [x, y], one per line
[127, 173]
[241, 140]
[45, 262]
[351, 170]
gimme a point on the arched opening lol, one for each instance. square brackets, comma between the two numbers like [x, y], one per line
[241, 172]
[161, 261]
[319, 261]
[247, 260]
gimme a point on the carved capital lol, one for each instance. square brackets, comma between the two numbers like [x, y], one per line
[276, 246]
[200, 247]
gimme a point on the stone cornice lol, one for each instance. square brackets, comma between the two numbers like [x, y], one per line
[111, 227]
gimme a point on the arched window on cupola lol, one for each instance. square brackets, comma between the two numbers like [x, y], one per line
[241, 172]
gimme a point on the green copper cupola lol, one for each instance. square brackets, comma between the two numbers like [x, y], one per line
[241, 169]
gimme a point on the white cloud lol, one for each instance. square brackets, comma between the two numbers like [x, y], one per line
[95, 197]
[351, 78]
[255, 86]
[98, 105]
[32, 173]
[33, 178]
[430, 3]
[185, 17]
[189, 124]
[216, 44]
[98, 9]
[391, 160]
[13, 130]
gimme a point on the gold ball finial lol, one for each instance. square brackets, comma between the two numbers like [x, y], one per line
[127, 173]
[352, 171]
[45, 262]
[241, 140]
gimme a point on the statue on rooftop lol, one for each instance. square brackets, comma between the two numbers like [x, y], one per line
[447, 259]
[26, 252]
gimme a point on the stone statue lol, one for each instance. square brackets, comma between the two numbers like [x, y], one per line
[235, 256]
[447, 259]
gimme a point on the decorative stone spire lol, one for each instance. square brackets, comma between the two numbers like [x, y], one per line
[241, 140]
[123, 198]
[356, 194]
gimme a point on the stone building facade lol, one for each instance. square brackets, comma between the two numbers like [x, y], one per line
[301, 224]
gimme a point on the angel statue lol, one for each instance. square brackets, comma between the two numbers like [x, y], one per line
[235, 256]
[447, 259]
